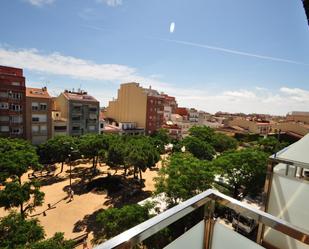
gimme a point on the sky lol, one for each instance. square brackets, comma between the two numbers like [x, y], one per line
[213, 55]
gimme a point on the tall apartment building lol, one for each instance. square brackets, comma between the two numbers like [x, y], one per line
[12, 102]
[139, 105]
[79, 111]
[170, 106]
[38, 115]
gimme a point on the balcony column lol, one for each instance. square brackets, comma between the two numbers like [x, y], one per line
[265, 198]
[209, 222]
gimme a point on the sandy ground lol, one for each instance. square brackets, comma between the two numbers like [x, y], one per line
[64, 214]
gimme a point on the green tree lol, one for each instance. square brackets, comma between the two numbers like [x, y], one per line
[243, 169]
[15, 231]
[271, 145]
[114, 221]
[160, 138]
[183, 176]
[222, 142]
[200, 149]
[141, 154]
[203, 133]
[17, 157]
[58, 149]
[56, 242]
[91, 146]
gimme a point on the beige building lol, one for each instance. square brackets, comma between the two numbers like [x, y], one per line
[135, 104]
[298, 117]
[38, 115]
[251, 126]
[75, 113]
[295, 128]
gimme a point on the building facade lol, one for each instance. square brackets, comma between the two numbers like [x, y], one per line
[12, 102]
[79, 110]
[38, 115]
[135, 104]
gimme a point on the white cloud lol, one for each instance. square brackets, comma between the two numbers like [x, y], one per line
[40, 2]
[111, 3]
[249, 100]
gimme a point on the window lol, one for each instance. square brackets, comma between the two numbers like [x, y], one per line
[16, 108]
[15, 83]
[16, 119]
[35, 128]
[60, 128]
[35, 106]
[43, 128]
[4, 105]
[15, 95]
[3, 94]
[16, 131]
[43, 106]
[91, 128]
[4, 129]
[4, 118]
[75, 128]
[102, 125]
[76, 118]
[39, 117]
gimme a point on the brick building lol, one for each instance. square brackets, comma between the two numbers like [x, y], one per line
[12, 102]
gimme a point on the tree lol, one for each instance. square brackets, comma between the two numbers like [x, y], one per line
[222, 142]
[116, 154]
[117, 220]
[203, 133]
[243, 169]
[15, 231]
[271, 145]
[141, 154]
[56, 242]
[17, 157]
[160, 138]
[183, 176]
[58, 149]
[91, 146]
[200, 149]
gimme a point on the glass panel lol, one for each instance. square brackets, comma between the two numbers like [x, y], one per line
[225, 238]
[193, 238]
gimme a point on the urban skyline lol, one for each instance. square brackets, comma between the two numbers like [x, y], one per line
[241, 65]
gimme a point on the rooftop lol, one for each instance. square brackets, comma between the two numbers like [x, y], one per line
[37, 92]
[80, 96]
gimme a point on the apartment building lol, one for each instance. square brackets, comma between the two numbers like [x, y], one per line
[135, 104]
[78, 111]
[12, 102]
[38, 115]
[170, 106]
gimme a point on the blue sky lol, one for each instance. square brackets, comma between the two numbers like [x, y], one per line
[237, 56]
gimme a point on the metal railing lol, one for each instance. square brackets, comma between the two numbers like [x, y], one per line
[208, 198]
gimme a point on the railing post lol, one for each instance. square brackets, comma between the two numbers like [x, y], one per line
[265, 198]
[208, 223]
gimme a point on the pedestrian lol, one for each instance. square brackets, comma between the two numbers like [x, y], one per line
[71, 194]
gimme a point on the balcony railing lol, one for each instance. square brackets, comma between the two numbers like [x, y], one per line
[209, 227]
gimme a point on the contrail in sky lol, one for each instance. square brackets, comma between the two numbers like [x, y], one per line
[231, 51]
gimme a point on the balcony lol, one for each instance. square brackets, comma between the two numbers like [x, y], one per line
[208, 232]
